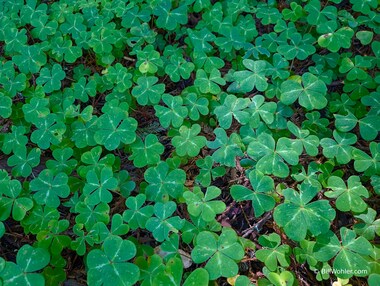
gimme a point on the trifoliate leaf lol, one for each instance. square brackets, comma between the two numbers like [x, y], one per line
[188, 142]
[347, 197]
[298, 215]
[310, 92]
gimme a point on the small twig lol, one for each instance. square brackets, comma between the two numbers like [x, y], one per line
[129, 59]
[245, 216]
[258, 226]
[291, 65]
[336, 83]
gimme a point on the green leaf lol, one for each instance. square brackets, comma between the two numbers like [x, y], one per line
[243, 280]
[206, 171]
[348, 253]
[366, 163]
[49, 132]
[345, 123]
[170, 19]
[2, 232]
[51, 79]
[119, 76]
[172, 273]
[23, 162]
[279, 68]
[164, 182]
[14, 39]
[14, 140]
[118, 227]
[26, 258]
[89, 215]
[31, 59]
[209, 84]
[270, 158]
[309, 177]
[12, 202]
[146, 153]
[369, 227]
[219, 252]
[245, 81]
[97, 188]
[188, 143]
[134, 16]
[310, 92]
[232, 39]
[29, 260]
[347, 197]
[202, 60]
[339, 148]
[373, 279]
[196, 106]
[284, 278]
[73, 25]
[150, 268]
[115, 129]
[109, 265]
[294, 13]
[94, 162]
[54, 276]
[148, 61]
[356, 69]
[62, 49]
[36, 109]
[227, 148]
[299, 48]
[335, 40]
[273, 253]
[52, 239]
[297, 210]
[174, 114]
[50, 188]
[199, 40]
[199, 277]
[83, 132]
[163, 223]
[147, 91]
[179, 68]
[200, 204]
[268, 15]
[114, 106]
[136, 215]
[5, 106]
[317, 16]
[62, 162]
[304, 253]
[364, 6]
[369, 126]
[232, 107]
[309, 142]
[261, 111]
[261, 201]
[125, 184]
[83, 90]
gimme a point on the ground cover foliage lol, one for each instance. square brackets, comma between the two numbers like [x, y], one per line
[190, 142]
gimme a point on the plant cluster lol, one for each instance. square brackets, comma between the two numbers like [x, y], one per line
[189, 142]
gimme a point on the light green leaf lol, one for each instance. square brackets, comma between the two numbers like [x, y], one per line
[188, 143]
[296, 211]
[310, 92]
[109, 265]
[245, 81]
[348, 197]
